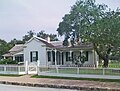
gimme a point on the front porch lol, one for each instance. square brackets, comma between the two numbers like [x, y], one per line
[72, 57]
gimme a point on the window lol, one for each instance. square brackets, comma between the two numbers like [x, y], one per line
[19, 58]
[67, 56]
[34, 56]
[49, 56]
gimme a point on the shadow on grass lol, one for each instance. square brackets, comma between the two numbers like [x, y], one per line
[10, 75]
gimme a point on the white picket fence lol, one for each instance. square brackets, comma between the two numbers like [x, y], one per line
[12, 69]
[87, 72]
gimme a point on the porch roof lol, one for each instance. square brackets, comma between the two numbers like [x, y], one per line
[9, 54]
[82, 46]
[17, 48]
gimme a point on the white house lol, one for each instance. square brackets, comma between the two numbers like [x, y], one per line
[46, 52]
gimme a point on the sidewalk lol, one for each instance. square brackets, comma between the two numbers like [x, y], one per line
[60, 83]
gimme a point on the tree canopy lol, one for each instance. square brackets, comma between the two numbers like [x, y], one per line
[94, 23]
[5, 47]
[42, 34]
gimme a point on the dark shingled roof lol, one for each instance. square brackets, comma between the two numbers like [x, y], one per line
[45, 42]
[42, 40]
[17, 48]
[82, 46]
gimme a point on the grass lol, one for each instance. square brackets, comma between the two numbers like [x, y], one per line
[111, 65]
[73, 78]
[84, 71]
[10, 75]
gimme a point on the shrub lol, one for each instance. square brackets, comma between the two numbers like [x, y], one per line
[8, 61]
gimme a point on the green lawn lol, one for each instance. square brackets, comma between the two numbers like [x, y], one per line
[112, 65]
[96, 71]
[90, 71]
[11, 75]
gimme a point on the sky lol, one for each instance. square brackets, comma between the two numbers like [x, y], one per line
[17, 17]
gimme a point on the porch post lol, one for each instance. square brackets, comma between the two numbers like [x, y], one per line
[64, 57]
[26, 67]
[4, 57]
[55, 57]
[70, 53]
[13, 57]
[81, 54]
[38, 65]
[60, 58]
[93, 57]
[51, 58]
[46, 58]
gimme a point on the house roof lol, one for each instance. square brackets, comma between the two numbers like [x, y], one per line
[81, 46]
[53, 44]
[42, 40]
[56, 43]
[9, 54]
[45, 42]
[17, 48]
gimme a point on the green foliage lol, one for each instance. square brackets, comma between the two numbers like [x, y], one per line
[15, 41]
[28, 35]
[8, 61]
[4, 47]
[11, 75]
[93, 23]
[42, 34]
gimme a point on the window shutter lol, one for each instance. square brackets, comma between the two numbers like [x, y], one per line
[36, 56]
[31, 56]
[86, 55]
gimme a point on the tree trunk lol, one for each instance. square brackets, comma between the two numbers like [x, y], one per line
[104, 57]
[106, 62]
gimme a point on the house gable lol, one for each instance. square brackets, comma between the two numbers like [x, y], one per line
[43, 42]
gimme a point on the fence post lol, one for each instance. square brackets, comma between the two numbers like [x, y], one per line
[57, 69]
[38, 63]
[103, 71]
[26, 67]
[77, 70]
[18, 69]
[5, 69]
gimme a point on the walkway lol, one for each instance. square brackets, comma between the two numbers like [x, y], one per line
[61, 83]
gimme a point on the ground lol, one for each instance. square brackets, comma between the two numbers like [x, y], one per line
[60, 83]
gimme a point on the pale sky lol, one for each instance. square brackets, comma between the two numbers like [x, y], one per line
[19, 16]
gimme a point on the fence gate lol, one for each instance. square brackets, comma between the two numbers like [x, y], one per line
[32, 69]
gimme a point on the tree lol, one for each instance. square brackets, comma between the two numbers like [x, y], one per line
[42, 34]
[105, 35]
[28, 36]
[15, 41]
[4, 47]
[92, 23]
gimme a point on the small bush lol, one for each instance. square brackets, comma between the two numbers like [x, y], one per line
[8, 61]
